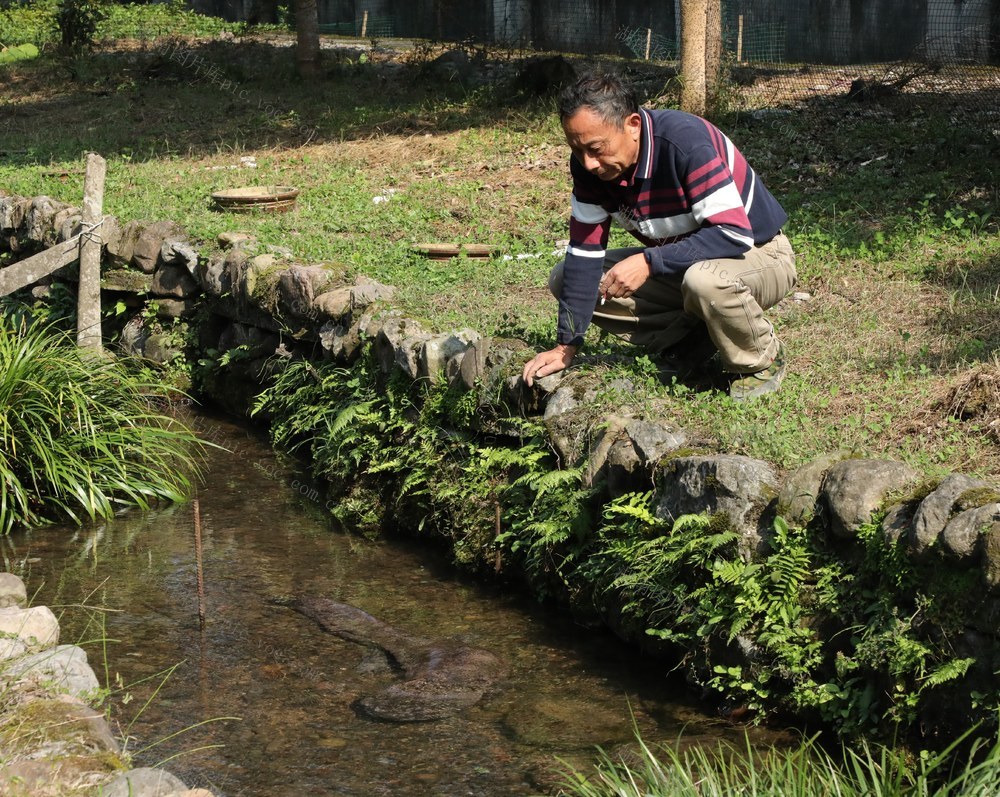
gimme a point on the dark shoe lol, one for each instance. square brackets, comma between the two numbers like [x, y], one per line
[749, 386]
[692, 355]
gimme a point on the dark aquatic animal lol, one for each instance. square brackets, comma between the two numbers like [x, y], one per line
[441, 677]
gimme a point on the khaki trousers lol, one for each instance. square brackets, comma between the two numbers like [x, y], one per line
[728, 295]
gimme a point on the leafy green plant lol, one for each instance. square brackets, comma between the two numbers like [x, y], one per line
[80, 437]
[77, 21]
[803, 770]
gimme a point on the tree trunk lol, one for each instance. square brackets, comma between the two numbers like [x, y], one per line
[713, 56]
[307, 33]
[693, 47]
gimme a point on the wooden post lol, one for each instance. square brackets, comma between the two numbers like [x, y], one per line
[364, 24]
[28, 272]
[649, 39]
[739, 41]
[88, 305]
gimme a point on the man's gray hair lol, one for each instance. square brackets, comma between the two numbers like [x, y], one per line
[604, 93]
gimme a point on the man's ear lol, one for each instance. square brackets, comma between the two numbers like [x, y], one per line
[633, 126]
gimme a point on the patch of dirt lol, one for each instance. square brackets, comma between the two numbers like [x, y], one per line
[976, 398]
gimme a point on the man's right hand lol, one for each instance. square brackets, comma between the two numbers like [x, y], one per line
[548, 362]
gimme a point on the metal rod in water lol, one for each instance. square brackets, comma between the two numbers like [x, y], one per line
[197, 557]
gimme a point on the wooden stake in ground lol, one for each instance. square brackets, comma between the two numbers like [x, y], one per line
[88, 304]
[198, 565]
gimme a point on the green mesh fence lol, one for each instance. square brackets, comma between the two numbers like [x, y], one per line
[366, 28]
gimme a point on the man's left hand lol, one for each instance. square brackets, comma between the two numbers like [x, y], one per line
[625, 277]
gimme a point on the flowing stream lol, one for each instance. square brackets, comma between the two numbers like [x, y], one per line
[263, 702]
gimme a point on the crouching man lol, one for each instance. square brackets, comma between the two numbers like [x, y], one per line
[713, 257]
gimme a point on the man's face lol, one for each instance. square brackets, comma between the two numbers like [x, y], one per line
[605, 150]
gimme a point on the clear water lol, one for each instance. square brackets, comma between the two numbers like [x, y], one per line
[261, 701]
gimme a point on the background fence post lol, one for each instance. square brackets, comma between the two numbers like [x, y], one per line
[88, 306]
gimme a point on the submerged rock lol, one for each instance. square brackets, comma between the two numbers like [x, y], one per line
[36, 626]
[143, 782]
[12, 591]
[63, 668]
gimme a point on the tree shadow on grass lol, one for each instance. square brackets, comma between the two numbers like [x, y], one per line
[182, 99]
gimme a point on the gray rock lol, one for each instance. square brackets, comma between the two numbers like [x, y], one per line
[121, 248]
[86, 726]
[143, 782]
[613, 457]
[179, 252]
[12, 591]
[961, 536]
[935, 510]
[36, 626]
[898, 523]
[146, 252]
[239, 276]
[797, 500]
[126, 281]
[111, 233]
[12, 212]
[38, 220]
[654, 440]
[408, 353]
[367, 292]
[175, 282]
[213, 276]
[163, 348]
[855, 489]
[611, 432]
[64, 668]
[390, 342]
[437, 351]
[298, 288]
[991, 559]
[235, 240]
[333, 305]
[169, 309]
[473, 365]
[341, 343]
[736, 486]
[12, 648]
[569, 417]
[68, 222]
[451, 65]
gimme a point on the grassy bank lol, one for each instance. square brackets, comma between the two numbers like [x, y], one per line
[893, 215]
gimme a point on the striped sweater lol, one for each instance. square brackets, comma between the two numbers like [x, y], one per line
[691, 197]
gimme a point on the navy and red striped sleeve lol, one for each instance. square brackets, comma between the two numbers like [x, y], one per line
[589, 227]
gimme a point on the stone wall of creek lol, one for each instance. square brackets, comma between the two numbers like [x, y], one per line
[52, 740]
[256, 301]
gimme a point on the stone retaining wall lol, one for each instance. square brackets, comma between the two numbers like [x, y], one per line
[52, 741]
[263, 304]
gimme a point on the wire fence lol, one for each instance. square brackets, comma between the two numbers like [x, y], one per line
[780, 51]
